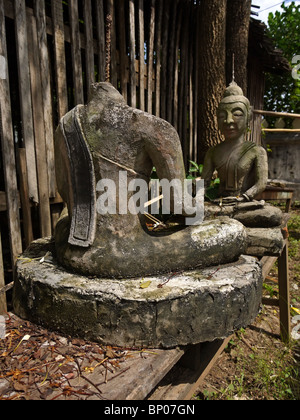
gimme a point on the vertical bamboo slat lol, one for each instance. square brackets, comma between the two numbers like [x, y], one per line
[8, 153]
[101, 39]
[171, 63]
[159, 5]
[39, 129]
[76, 52]
[59, 54]
[151, 58]
[164, 59]
[122, 49]
[39, 8]
[132, 53]
[141, 56]
[89, 46]
[26, 209]
[176, 70]
[25, 96]
[113, 63]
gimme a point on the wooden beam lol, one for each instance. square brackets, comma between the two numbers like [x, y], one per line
[276, 114]
[281, 130]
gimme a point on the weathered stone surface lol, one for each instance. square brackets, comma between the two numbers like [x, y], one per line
[107, 140]
[266, 217]
[190, 307]
[140, 253]
[265, 242]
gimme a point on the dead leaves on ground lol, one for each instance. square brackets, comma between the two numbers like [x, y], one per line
[38, 365]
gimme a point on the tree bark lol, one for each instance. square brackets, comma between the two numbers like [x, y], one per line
[237, 37]
[212, 41]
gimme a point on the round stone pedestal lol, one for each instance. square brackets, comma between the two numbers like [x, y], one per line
[159, 312]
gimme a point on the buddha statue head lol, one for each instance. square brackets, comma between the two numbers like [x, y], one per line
[234, 113]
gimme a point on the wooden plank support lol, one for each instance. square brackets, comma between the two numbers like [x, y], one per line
[183, 380]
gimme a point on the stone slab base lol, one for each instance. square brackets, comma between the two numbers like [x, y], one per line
[158, 312]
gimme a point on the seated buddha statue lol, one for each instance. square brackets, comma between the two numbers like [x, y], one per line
[242, 166]
[108, 140]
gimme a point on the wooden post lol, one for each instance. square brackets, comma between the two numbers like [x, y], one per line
[284, 295]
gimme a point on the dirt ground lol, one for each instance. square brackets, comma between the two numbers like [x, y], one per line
[256, 365]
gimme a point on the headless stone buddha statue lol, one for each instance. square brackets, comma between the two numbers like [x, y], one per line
[100, 141]
[242, 166]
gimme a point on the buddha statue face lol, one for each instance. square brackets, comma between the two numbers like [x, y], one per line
[232, 120]
[234, 114]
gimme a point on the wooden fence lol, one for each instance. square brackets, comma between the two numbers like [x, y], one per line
[50, 53]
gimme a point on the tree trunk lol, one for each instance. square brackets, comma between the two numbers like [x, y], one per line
[237, 37]
[212, 76]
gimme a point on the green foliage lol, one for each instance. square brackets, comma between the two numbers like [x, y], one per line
[283, 92]
[195, 170]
